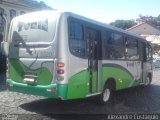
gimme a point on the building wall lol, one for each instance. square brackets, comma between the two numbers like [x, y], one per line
[145, 29]
[8, 7]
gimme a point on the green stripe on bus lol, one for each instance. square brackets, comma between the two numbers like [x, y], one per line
[40, 90]
[77, 85]
[117, 66]
[121, 75]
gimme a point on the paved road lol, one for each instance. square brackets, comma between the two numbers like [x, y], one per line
[133, 100]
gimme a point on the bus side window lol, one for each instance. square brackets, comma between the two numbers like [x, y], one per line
[76, 39]
[149, 53]
[141, 49]
[113, 47]
[107, 40]
[131, 49]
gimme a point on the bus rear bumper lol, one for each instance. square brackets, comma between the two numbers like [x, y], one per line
[40, 90]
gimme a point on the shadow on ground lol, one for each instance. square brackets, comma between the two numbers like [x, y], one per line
[132, 100]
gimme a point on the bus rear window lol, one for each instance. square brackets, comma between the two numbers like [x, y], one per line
[41, 28]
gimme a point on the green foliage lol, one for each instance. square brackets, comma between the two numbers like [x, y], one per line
[123, 24]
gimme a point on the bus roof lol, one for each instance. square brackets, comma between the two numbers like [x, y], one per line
[89, 20]
[104, 25]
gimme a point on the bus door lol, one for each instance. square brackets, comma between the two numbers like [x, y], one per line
[147, 64]
[143, 59]
[92, 50]
[132, 57]
[138, 47]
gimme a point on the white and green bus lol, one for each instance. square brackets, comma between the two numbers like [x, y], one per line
[67, 56]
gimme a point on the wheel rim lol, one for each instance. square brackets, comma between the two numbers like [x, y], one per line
[106, 95]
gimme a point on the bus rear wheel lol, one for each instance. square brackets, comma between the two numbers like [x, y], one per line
[106, 95]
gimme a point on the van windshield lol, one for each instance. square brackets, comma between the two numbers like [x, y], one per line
[34, 27]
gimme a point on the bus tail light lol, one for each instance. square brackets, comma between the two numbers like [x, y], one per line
[53, 90]
[60, 78]
[60, 64]
[9, 85]
[60, 71]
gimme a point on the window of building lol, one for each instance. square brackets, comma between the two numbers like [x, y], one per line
[22, 12]
[1, 11]
[131, 49]
[113, 47]
[76, 39]
[12, 14]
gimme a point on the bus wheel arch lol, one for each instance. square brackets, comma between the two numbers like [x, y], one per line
[111, 82]
[107, 93]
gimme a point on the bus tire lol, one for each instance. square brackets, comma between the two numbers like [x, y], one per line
[148, 80]
[106, 95]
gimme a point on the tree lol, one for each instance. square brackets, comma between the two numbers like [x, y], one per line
[123, 24]
[148, 19]
[35, 4]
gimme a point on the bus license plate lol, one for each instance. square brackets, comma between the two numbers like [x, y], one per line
[30, 80]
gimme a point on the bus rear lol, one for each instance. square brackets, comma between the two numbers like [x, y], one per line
[31, 56]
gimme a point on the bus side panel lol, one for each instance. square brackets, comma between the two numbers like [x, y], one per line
[77, 85]
[122, 76]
